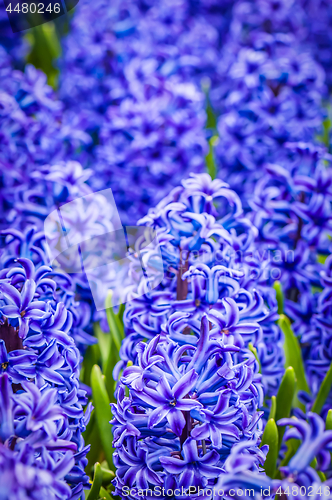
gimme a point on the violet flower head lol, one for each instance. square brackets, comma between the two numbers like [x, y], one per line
[292, 212]
[187, 406]
[34, 459]
[269, 91]
[42, 415]
[210, 268]
[315, 442]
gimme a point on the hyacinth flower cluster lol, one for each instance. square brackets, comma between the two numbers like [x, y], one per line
[150, 138]
[135, 79]
[188, 404]
[25, 207]
[270, 92]
[166, 354]
[40, 142]
[300, 479]
[36, 133]
[189, 381]
[293, 213]
[175, 37]
[13, 45]
[138, 73]
[210, 268]
[318, 36]
[42, 451]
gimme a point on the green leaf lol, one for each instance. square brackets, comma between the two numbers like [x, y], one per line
[284, 399]
[104, 340]
[270, 437]
[113, 358]
[253, 349]
[314, 465]
[114, 323]
[279, 296]
[116, 336]
[211, 118]
[91, 358]
[321, 258]
[321, 475]
[328, 422]
[105, 495]
[325, 136]
[89, 427]
[323, 392]
[108, 476]
[45, 48]
[110, 344]
[121, 311]
[210, 159]
[96, 485]
[293, 357]
[273, 408]
[211, 121]
[95, 447]
[103, 411]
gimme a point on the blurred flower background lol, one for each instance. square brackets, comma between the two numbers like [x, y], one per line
[210, 121]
